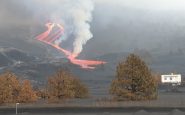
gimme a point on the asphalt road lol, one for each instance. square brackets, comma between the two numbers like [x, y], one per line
[93, 111]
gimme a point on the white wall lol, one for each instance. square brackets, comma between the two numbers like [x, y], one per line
[171, 78]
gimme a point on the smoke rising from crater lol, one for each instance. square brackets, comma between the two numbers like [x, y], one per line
[82, 16]
[74, 15]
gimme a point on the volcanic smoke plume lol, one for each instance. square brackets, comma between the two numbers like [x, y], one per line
[51, 38]
[75, 16]
[82, 16]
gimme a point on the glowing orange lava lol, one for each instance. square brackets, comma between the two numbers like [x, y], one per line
[46, 33]
[51, 39]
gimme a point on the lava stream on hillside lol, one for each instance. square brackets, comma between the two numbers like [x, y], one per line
[52, 38]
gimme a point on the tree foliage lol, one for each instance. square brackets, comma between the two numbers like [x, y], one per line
[11, 89]
[63, 85]
[133, 81]
[26, 93]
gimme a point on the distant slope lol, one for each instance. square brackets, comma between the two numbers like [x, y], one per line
[10, 56]
[4, 61]
[98, 80]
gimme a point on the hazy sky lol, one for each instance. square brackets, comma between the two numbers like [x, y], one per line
[117, 26]
[146, 4]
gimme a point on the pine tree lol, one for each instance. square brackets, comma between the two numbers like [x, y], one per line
[133, 81]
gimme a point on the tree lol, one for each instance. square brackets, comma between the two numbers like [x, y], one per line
[133, 81]
[27, 94]
[9, 87]
[11, 91]
[80, 89]
[63, 85]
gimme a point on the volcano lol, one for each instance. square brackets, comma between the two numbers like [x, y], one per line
[52, 37]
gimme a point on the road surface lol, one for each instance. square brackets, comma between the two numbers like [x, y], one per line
[93, 111]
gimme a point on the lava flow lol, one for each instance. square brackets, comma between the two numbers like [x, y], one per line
[51, 39]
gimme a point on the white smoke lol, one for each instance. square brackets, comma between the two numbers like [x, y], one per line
[82, 15]
[74, 15]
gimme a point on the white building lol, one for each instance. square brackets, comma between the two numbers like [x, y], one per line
[172, 79]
